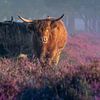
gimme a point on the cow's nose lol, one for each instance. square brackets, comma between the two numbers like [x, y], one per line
[44, 39]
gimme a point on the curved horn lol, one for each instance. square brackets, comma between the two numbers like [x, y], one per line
[59, 18]
[25, 20]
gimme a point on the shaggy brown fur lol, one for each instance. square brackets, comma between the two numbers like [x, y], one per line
[49, 39]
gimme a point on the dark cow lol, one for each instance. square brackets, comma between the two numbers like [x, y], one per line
[14, 37]
[49, 38]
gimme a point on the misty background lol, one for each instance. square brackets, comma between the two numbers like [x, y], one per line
[80, 15]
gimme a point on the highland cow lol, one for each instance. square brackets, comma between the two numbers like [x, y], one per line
[49, 38]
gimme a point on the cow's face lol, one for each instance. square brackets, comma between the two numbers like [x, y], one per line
[41, 30]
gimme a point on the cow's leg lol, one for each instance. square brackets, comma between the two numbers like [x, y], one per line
[35, 60]
[56, 58]
[34, 57]
[43, 57]
[51, 56]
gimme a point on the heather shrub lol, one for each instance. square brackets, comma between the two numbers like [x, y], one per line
[20, 79]
[77, 76]
[74, 88]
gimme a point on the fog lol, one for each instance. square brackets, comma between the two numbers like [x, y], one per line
[31, 8]
[80, 15]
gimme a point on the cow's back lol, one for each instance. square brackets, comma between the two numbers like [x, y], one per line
[59, 34]
[15, 35]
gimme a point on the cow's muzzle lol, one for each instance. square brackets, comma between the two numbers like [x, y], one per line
[44, 39]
